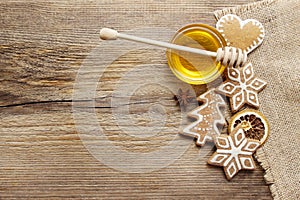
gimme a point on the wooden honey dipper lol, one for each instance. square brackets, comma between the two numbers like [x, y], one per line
[229, 56]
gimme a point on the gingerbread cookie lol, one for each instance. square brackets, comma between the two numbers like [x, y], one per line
[234, 152]
[246, 35]
[242, 87]
[253, 122]
[208, 118]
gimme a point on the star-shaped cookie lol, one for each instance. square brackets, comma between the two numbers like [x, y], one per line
[242, 87]
[234, 152]
[208, 118]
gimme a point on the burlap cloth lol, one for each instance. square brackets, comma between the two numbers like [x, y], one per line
[277, 62]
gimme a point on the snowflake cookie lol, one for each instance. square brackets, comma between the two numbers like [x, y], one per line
[234, 152]
[208, 118]
[242, 87]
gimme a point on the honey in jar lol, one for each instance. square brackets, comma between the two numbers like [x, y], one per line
[194, 68]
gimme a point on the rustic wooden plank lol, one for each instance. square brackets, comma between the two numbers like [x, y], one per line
[42, 45]
[43, 156]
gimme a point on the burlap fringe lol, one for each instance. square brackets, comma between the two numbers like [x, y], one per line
[243, 8]
[262, 159]
[260, 154]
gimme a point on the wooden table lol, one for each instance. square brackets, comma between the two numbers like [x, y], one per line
[43, 44]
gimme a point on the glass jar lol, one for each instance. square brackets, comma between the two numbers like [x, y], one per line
[194, 68]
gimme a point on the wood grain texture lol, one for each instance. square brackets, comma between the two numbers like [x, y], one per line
[42, 46]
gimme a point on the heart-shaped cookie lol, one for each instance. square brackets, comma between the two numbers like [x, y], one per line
[246, 35]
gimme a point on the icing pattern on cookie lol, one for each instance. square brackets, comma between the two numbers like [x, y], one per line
[208, 117]
[242, 87]
[234, 152]
[246, 35]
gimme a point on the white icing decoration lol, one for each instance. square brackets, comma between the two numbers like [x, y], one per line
[240, 134]
[243, 161]
[216, 158]
[212, 129]
[253, 145]
[246, 84]
[219, 142]
[238, 100]
[254, 100]
[257, 84]
[229, 86]
[230, 74]
[235, 153]
[231, 166]
[230, 17]
[248, 68]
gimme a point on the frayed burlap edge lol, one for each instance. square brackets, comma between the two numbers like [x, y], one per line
[243, 8]
[260, 154]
